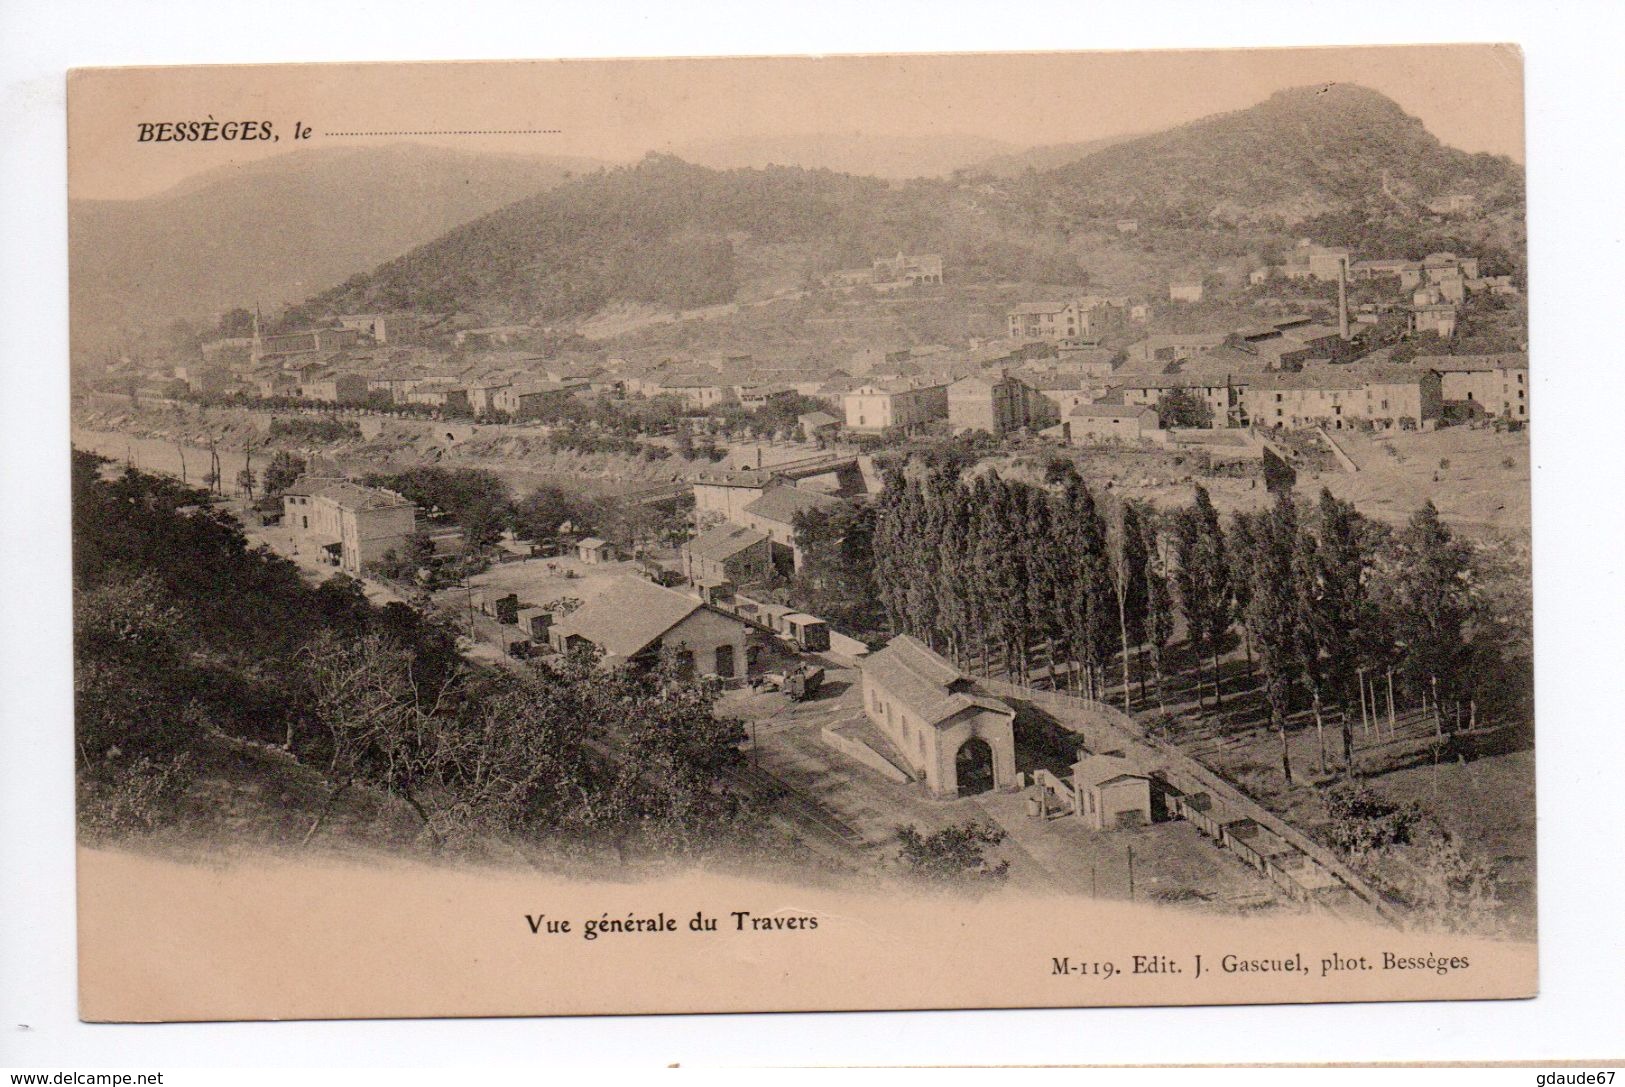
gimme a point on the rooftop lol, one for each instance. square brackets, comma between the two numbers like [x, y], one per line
[1455, 364]
[724, 542]
[1100, 410]
[629, 616]
[1095, 770]
[347, 494]
[930, 686]
[783, 503]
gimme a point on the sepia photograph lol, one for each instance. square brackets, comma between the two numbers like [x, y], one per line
[865, 532]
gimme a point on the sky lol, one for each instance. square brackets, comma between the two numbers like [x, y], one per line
[1470, 96]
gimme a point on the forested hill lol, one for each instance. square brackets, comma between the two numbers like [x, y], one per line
[1340, 163]
[671, 233]
[1300, 153]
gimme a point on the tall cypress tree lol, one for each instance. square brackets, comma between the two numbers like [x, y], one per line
[1430, 608]
[1203, 578]
[1342, 614]
[1125, 551]
[1159, 602]
[1042, 573]
[1273, 614]
[948, 578]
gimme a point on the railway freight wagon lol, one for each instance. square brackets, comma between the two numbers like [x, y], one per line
[810, 633]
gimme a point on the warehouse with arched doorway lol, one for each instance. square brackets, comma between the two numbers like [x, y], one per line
[956, 739]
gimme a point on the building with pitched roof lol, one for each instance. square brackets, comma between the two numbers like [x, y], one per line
[997, 403]
[727, 555]
[634, 620]
[881, 406]
[774, 515]
[955, 738]
[912, 268]
[1111, 792]
[1110, 422]
[1490, 384]
[351, 526]
[1336, 396]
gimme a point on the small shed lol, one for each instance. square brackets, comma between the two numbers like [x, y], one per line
[595, 552]
[535, 623]
[1112, 794]
[809, 632]
[506, 608]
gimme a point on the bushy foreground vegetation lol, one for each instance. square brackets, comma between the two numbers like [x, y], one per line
[184, 636]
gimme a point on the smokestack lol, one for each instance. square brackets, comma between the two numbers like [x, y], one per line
[1343, 297]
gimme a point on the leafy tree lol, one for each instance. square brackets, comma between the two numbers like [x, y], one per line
[954, 855]
[476, 499]
[1181, 408]
[1159, 602]
[1336, 606]
[285, 468]
[1125, 550]
[542, 512]
[837, 575]
[1428, 606]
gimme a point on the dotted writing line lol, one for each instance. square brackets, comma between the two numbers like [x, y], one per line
[461, 132]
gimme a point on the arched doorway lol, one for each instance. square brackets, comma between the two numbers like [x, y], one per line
[973, 766]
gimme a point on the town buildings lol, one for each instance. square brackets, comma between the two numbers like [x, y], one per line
[1112, 793]
[726, 495]
[1091, 315]
[907, 268]
[876, 407]
[1088, 423]
[727, 554]
[774, 515]
[1438, 318]
[997, 404]
[350, 525]
[1496, 385]
[634, 621]
[1336, 397]
[383, 327]
[334, 389]
[529, 400]
[1218, 392]
[954, 738]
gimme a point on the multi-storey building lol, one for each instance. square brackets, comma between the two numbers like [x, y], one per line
[351, 526]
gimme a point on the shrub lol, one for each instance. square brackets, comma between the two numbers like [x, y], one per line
[953, 855]
[120, 798]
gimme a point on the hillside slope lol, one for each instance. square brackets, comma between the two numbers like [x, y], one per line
[1339, 163]
[672, 234]
[278, 230]
[1300, 153]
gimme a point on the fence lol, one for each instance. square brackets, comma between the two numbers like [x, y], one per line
[1102, 725]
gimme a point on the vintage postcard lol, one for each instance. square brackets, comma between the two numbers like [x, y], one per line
[778, 534]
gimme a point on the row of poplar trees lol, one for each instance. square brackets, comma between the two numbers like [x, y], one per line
[1053, 581]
